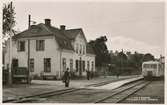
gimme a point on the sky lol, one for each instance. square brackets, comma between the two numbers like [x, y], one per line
[131, 26]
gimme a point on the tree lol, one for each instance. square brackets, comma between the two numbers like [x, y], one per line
[101, 51]
[8, 25]
[137, 60]
[8, 19]
[148, 57]
[122, 61]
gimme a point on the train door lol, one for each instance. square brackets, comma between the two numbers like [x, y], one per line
[149, 73]
[157, 70]
[160, 69]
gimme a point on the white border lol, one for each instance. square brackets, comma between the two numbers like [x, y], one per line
[83, 1]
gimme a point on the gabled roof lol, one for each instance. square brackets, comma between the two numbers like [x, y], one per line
[63, 37]
[44, 30]
[72, 33]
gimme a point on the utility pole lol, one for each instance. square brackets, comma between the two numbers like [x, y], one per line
[28, 59]
[121, 61]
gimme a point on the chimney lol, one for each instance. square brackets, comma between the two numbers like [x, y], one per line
[62, 27]
[48, 22]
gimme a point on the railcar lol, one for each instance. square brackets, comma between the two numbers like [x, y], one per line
[152, 69]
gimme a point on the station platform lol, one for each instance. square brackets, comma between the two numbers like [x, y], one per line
[41, 86]
[116, 84]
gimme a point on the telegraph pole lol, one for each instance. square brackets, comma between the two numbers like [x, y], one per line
[28, 59]
[121, 61]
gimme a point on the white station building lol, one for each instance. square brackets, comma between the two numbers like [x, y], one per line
[51, 50]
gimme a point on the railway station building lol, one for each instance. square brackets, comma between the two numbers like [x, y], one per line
[51, 50]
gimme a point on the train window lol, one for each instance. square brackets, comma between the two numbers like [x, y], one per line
[146, 66]
[154, 66]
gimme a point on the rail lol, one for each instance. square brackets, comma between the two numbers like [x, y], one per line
[123, 92]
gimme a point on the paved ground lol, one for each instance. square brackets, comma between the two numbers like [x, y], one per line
[39, 86]
[151, 94]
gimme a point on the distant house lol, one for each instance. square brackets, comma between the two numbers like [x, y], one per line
[52, 50]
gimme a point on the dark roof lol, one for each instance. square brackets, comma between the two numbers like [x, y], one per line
[35, 30]
[72, 33]
[63, 38]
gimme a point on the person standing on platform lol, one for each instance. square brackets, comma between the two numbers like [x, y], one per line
[88, 74]
[66, 77]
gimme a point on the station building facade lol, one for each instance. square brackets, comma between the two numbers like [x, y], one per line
[51, 50]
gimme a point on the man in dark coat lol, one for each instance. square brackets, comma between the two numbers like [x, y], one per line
[88, 74]
[66, 77]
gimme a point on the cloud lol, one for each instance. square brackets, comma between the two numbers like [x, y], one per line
[128, 44]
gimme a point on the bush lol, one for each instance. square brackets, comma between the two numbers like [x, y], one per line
[96, 74]
[36, 77]
[74, 76]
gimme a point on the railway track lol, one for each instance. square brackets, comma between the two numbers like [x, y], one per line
[122, 93]
[42, 95]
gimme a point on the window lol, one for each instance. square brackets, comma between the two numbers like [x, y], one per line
[83, 65]
[47, 65]
[76, 64]
[154, 66]
[88, 66]
[21, 45]
[76, 48]
[80, 49]
[64, 64]
[71, 64]
[83, 49]
[40, 45]
[32, 65]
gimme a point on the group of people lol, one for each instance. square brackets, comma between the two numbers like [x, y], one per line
[67, 75]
